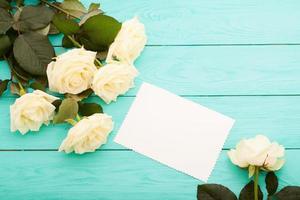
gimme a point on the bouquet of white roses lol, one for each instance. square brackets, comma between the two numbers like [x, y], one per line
[101, 61]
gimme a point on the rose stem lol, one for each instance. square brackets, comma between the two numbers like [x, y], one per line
[76, 44]
[59, 8]
[256, 183]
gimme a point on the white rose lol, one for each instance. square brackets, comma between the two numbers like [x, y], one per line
[88, 134]
[31, 111]
[113, 80]
[258, 151]
[129, 42]
[72, 72]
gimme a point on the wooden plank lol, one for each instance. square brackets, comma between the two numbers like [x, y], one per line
[114, 175]
[210, 21]
[276, 117]
[229, 70]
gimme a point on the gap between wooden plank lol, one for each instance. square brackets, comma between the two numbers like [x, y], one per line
[194, 95]
[5, 150]
[208, 45]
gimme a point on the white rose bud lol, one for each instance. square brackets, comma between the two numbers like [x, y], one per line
[257, 152]
[113, 80]
[88, 134]
[31, 111]
[72, 72]
[129, 42]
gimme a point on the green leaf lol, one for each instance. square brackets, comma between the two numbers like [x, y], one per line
[68, 109]
[4, 4]
[57, 103]
[66, 42]
[37, 86]
[100, 30]
[247, 193]
[6, 21]
[33, 52]
[74, 7]
[87, 109]
[89, 15]
[80, 96]
[288, 193]
[64, 25]
[3, 86]
[93, 7]
[271, 183]
[5, 45]
[214, 192]
[33, 18]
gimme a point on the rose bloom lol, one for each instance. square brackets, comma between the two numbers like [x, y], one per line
[88, 134]
[72, 72]
[113, 80]
[257, 152]
[31, 111]
[129, 42]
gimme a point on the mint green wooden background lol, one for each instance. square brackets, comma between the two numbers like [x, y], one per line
[241, 58]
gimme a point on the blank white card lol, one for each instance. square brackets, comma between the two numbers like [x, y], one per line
[174, 131]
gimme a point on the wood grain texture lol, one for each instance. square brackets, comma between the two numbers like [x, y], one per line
[229, 70]
[210, 21]
[205, 50]
[111, 175]
[276, 117]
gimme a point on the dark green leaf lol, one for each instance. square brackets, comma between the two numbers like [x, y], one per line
[74, 7]
[271, 183]
[89, 44]
[66, 42]
[214, 192]
[33, 52]
[68, 109]
[34, 18]
[6, 21]
[17, 70]
[288, 193]
[247, 193]
[4, 4]
[5, 45]
[57, 103]
[100, 30]
[37, 86]
[64, 25]
[43, 31]
[87, 109]
[3, 86]
[12, 34]
[20, 3]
